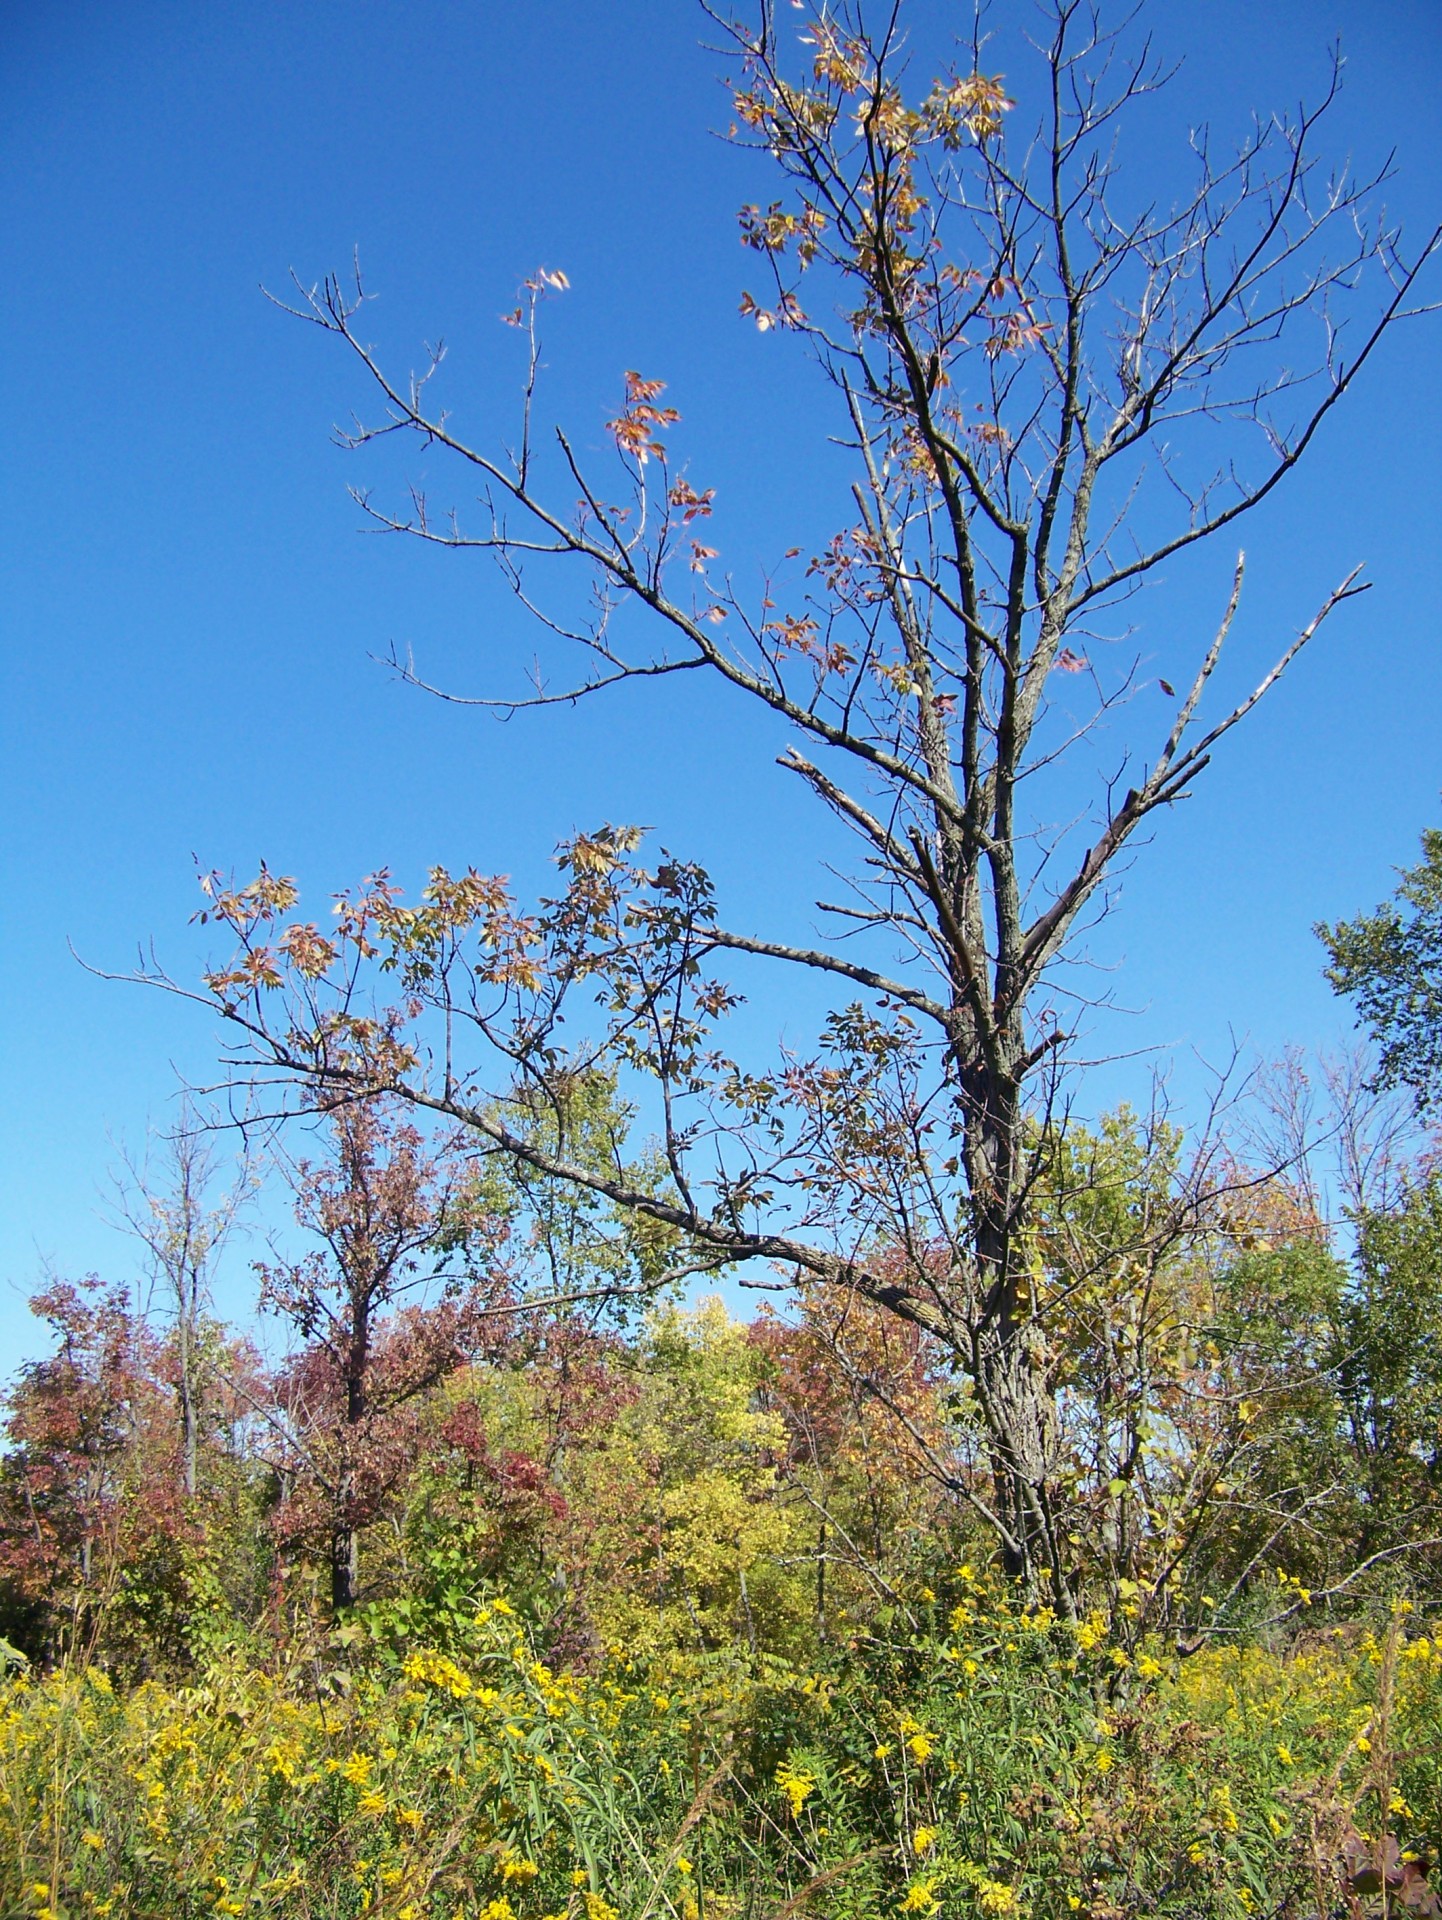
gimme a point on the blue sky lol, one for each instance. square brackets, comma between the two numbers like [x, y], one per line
[188, 606]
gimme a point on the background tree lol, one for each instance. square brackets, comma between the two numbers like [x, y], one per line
[184, 1225]
[569, 1249]
[379, 1205]
[695, 1486]
[1388, 1360]
[75, 1423]
[103, 1555]
[1389, 963]
[1049, 386]
[872, 1455]
[491, 1507]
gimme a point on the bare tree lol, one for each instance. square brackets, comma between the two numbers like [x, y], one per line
[184, 1223]
[1349, 1146]
[1049, 387]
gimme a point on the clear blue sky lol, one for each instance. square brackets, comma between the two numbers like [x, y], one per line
[188, 607]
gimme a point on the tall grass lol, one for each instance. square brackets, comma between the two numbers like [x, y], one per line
[998, 1765]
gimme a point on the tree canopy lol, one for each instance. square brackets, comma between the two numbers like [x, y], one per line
[1390, 964]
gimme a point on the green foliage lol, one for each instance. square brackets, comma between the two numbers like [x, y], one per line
[1187, 1326]
[1390, 963]
[562, 1241]
[634, 1486]
[1389, 1363]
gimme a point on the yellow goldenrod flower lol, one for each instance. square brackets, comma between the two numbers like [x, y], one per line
[1091, 1631]
[924, 1839]
[796, 1783]
[995, 1896]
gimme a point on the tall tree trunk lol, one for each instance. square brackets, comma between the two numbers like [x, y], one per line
[1008, 1358]
[344, 1567]
[345, 1535]
[189, 1411]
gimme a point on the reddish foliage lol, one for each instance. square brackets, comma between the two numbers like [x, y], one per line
[88, 1487]
[349, 1400]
